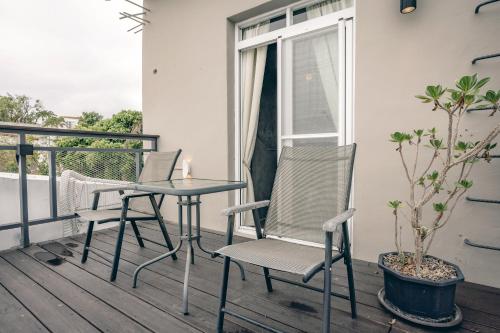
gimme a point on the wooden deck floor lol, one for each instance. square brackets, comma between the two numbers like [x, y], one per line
[36, 296]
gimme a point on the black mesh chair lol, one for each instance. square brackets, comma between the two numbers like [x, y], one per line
[306, 227]
[136, 206]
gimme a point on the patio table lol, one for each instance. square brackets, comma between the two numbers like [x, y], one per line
[185, 190]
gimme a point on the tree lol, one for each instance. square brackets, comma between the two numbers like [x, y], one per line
[444, 179]
[21, 109]
[89, 119]
[108, 165]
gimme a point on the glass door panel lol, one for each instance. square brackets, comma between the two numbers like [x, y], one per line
[312, 86]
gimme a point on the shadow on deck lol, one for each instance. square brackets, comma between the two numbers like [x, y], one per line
[66, 296]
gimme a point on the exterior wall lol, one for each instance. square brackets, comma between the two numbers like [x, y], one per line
[396, 57]
[186, 102]
[189, 104]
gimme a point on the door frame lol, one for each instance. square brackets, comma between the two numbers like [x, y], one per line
[291, 30]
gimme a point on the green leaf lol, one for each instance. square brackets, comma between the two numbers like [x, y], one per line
[394, 204]
[434, 92]
[439, 207]
[464, 183]
[490, 146]
[467, 83]
[433, 176]
[482, 82]
[469, 99]
[419, 132]
[436, 143]
[424, 99]
[400, 137]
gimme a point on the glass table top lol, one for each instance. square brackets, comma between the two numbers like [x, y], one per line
[188, 186]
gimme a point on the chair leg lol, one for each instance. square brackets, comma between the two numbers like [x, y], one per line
[86, 248]
[327, 283]
[118, 250]
[223, 295]
[166, 237]
[352, 291]
[164, 231]
[137, 233]
[269, 285]
[350, 275]
[192, 255]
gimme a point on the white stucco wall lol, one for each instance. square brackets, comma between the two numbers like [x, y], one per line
[189, 104]
[38, 197]
[396, 57]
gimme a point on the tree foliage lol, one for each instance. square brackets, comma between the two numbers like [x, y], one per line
[21, 109]
[108, 165]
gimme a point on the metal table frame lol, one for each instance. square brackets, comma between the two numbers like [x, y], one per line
[185, 198]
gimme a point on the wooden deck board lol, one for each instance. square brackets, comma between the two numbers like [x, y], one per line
[80, 297]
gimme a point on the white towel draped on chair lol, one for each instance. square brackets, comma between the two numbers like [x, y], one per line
[75, 194]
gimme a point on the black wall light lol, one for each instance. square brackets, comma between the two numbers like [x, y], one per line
[408, 6]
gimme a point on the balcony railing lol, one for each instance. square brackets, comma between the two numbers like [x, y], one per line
[36, 150]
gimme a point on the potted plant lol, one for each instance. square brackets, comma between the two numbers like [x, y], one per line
[418, 286]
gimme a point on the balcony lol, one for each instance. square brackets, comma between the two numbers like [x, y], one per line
[45, 287]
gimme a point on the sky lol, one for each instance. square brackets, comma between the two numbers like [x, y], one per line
[73, 55]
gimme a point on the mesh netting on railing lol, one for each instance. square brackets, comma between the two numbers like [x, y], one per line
[80, 170]
[105, 165]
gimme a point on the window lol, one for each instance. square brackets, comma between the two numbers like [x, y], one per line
[319, 8]
[272, 24]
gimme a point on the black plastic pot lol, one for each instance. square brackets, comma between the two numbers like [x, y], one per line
[419, 297]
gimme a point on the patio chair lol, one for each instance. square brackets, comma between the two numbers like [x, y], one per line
[136, 206]
[306, 229]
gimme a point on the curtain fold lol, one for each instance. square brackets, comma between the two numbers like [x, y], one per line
[326, 52]
[253, 67]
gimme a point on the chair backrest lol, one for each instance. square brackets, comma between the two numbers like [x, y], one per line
[158, 166]
[312, 185]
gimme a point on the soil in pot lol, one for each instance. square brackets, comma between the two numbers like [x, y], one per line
[433, 269]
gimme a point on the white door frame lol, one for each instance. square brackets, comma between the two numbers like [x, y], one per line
[344, 20]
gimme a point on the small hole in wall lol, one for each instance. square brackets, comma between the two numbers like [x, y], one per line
[155, 71]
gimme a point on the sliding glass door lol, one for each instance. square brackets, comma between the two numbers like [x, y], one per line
[301, 74]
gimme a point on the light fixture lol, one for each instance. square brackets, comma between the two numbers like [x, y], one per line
[408, 6]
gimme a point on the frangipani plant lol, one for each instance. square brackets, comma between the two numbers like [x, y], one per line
[442, 180]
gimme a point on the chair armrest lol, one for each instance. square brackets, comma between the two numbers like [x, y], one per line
[112, 189]
[245, 207]
[331, 225]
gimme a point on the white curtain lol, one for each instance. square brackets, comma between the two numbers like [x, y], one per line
[326, 52]
[253, 65]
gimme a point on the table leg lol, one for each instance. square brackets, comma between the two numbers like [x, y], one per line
[189, 256]
[165, 255]
[185, 310]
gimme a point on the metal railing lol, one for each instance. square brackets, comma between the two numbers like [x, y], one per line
[24, 148]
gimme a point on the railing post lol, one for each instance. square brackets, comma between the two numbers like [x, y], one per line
[154, 144]
[52, 184]
[138, 165]
[23, 191]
